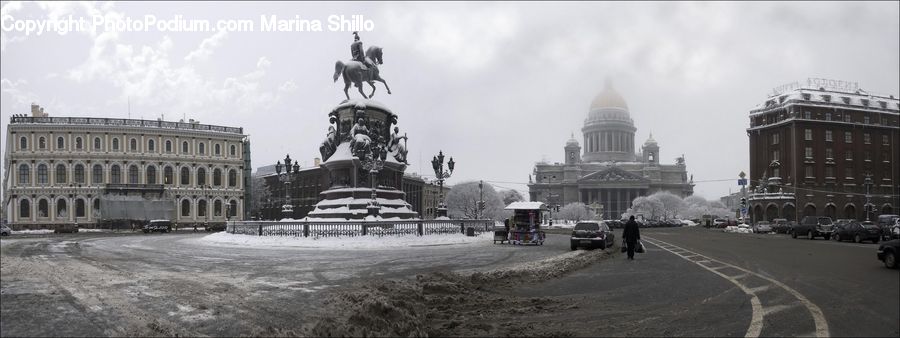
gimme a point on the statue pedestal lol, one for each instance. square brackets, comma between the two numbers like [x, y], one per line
[349, 190]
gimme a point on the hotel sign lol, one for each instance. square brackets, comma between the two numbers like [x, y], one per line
[836, 85]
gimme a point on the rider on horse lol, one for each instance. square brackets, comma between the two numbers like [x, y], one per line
[356, 51]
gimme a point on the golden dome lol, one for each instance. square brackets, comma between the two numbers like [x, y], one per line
[608, 98]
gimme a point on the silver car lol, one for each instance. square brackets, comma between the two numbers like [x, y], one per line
[762, 227]
[5, 230]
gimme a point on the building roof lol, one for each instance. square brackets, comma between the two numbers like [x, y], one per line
[814, 94]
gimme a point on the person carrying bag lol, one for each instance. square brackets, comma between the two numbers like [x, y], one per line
[631, 235]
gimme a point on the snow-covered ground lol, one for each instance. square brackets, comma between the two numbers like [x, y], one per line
[32, 232]
[359, 242]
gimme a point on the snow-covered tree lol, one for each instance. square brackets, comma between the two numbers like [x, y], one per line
[462, 202]
[510, 196]
[671, 203]
[650, 208]
[259, 193]
[576, 211]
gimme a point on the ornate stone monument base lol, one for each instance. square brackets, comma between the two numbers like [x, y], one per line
[359, 126]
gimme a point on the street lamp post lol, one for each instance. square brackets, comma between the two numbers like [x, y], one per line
[437, 163]
[287, 210]
[480, 212]
[868, 183]
[374, 162]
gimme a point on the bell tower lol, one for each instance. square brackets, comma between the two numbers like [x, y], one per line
[573, 151]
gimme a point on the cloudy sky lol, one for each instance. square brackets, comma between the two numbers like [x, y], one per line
[497, 86]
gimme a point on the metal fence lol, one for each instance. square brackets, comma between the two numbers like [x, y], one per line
[318, 229]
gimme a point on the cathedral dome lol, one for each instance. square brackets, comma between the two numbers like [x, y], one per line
[608, 129]
[650, 141]
[572, 141]
[608, 98]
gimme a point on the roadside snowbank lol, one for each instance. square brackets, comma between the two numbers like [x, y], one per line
[359, 242]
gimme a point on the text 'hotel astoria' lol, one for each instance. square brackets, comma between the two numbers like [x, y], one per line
[826, 148]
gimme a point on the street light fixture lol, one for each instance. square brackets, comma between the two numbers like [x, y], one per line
[374, 162]
[437, 163]
[868, 183]
[287, 210]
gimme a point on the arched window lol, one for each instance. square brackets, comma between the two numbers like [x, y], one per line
[97, 175]
[217, 208]
[217, 177]
[42, 174]
[97, 144]
[133, 145]
[24, 209]
[151, 145]
[60, 143]
[151, 175]
[23, 143]
[168, 175]
[233, 150]
[185, 149]
[116, 144]
[232, 178]
[185, 176]
[61, 174]
[61, 208]
[42, 143]
[78, 145]
[201, 177]
[79, 208]
[185, 208]
[79, 174]
[168, 146]
[96, 208]
[218, 149]
[232, 208]
[43, 208]
[201, 208]
[115, 174]
[133, 177]
[202, 148]
[24, 174]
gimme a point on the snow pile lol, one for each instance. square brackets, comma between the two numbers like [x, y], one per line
[32, 232]
[352, 243]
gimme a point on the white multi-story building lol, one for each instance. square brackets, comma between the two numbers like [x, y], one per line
[64, 170]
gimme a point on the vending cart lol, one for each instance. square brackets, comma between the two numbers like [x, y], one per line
[525, 224]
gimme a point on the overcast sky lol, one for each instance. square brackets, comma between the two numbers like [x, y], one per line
[497, 86]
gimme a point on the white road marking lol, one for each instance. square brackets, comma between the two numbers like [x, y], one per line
[756, 320]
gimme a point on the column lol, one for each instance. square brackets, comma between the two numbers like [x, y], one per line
[70, 209]
[14, 213]
[619, 203]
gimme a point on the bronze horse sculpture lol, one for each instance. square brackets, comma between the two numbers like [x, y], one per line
[352, 72]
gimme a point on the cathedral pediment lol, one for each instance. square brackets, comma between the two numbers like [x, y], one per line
[613, 174]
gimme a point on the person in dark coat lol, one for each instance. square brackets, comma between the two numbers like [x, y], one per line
[631, 234]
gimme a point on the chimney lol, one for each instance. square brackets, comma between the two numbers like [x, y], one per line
[317, 161]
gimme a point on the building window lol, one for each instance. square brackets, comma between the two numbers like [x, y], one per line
[885, 140]
[829, 154]
[151, 146]
[151, 175]
[115, 144]
[97, 174]
[43, 208]
[78, 145]
[233, 150]
[133, 145]
[201, 208]
[42, 174]
[828, 137]
[24, 209]
[79, 174]
[867, 155]
[848, 173]
[807, 115]
[848, 137]
[115, 174]
[217, 177]
[60, 143]
[185, 176]
[184, 148]
[774, 138]
[866, 119]
[168, 175]
[867, 138]
[809, 152]
[61, 174]
[133, 177]
[79, 207]
[96, 143]
[168, 146]
[848, 155]
[201, 177]
[232, 208]
[42, 143]
[807, 134]
[828, 116]
[217, 208]
[809, 171]
[202, 148]
[232, 178]
[829, 171]
[847, 118]
[61, 208]
[24, 174]
[185, 208]
[218, 149]
[23, 143]
[776, 172]
[775, 155]
[885, 156]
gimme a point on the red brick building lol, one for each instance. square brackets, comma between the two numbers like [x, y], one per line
[814, 149]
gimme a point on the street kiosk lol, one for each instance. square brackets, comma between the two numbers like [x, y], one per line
[525, 224]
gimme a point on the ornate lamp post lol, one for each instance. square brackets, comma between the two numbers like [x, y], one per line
[437, 163]
[287, 210]
[868, 183]
[374, 162]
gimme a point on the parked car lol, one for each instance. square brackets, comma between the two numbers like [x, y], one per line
[887, 222]
[779, 225]
[895, 230]
[5, 230]
[744, 229]
[730, 228]
[812, 227]
[688, 223]
[857, 232]
[215, 227]
[762, 227]
[157, 225]
[592, 235]
[720, 223]
[66, 228]
[888, 251]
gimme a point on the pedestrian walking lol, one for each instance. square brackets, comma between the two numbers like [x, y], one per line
[631, 234]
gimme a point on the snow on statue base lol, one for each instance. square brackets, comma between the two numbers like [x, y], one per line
[357, 127]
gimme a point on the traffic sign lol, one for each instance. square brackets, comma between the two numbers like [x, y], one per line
[742, 181]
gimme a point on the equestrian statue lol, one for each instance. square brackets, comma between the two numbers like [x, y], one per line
[363, 67]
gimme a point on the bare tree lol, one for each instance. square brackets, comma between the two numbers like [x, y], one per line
[462, 202]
